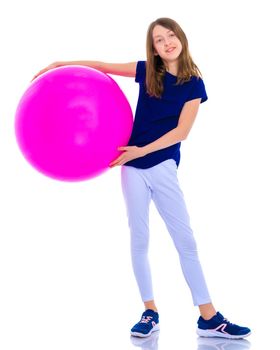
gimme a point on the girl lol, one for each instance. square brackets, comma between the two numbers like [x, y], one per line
[171, 90]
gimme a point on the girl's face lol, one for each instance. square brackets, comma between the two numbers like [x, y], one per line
[166, 44]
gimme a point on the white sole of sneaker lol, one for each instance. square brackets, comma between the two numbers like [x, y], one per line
[212, 333]
[141, 335]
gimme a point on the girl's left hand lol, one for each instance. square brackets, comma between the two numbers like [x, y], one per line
[130, 152]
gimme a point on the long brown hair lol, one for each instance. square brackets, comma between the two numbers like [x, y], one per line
[155, 69]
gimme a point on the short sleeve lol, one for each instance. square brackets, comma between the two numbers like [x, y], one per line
[198, 90]
[140, 71]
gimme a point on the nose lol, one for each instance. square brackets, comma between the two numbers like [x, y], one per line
[167, 42]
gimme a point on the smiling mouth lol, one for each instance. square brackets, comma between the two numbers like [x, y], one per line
[170, 50]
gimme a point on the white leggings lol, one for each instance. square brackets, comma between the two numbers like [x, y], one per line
[160, 183]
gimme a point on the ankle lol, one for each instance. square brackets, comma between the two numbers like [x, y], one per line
[207, 316]
[207, 311]
[150, 305]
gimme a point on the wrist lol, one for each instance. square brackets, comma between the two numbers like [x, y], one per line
[144, 150]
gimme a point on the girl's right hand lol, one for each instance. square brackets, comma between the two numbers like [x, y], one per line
[51, 66]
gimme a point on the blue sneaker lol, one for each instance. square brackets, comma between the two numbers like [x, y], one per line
[218, 326]
[149, 323]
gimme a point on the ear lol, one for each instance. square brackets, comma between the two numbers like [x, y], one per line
[155, 53]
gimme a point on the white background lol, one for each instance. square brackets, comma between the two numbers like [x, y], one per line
[65, 275]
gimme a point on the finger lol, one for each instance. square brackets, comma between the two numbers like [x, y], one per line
[118, 161]
[44, 70]
[122, 148]
[114, 162]
[35, 76]
[112, 165]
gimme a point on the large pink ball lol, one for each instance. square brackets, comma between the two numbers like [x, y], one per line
[70, 121]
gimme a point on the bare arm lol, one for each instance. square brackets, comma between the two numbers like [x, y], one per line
[124, 69]
[180, 133]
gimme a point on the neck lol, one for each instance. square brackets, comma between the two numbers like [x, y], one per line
[172, 67]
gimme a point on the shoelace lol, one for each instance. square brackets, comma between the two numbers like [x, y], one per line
[146, 319]
[229, 323]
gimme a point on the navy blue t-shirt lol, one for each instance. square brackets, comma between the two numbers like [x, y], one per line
[154, 116]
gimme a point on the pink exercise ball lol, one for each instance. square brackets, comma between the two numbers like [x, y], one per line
[70, 122]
